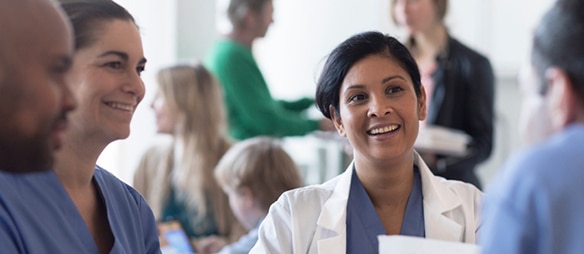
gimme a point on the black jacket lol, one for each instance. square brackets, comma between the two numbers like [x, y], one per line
[463, 98]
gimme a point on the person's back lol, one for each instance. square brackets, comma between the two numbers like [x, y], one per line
[534, 205]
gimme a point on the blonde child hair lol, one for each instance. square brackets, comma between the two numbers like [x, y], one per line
[260, 164]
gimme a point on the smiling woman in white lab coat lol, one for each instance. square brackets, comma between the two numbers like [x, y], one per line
[370, 88]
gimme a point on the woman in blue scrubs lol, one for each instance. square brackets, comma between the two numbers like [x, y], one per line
[102, 212]
[370, 88]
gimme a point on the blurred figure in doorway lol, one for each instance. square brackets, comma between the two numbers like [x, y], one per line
[459, 83]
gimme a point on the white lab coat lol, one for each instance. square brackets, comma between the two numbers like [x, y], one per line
[312, 219]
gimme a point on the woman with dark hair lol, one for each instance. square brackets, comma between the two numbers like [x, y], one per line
[111, 217]
[459, 83]
[370, 89]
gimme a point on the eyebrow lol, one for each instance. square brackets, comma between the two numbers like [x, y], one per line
[385, 80]
[122, 55]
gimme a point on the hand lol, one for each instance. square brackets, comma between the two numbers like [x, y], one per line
[210, 244]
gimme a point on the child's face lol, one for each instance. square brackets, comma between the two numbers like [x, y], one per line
[243, 205]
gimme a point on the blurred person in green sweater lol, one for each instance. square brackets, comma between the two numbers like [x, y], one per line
[251, 109]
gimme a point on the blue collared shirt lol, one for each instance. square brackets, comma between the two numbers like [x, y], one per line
[364, 225]
[535, 203]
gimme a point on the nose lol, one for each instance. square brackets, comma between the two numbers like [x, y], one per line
[135, 86]
[378, 107]
[69, 102]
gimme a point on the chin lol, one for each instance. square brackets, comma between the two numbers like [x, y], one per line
[124, 135]
[119, 135]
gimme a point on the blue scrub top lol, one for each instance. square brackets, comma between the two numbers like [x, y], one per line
[364, 225]
[38, 216]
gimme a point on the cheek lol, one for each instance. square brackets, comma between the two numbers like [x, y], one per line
[170, 120]
[236, 206]
[348, 120]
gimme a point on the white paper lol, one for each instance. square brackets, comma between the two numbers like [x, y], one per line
[399, 244]
[442, 140]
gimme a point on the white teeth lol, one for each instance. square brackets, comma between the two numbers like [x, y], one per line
[383, 129]
[124, 107]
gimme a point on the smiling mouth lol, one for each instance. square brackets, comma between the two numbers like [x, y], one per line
[120, 106]
[383, 130]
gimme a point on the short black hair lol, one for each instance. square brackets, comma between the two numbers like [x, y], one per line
[350, 51]
[557, 42]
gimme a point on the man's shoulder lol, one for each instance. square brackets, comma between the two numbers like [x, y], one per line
[559, 150]
[17, 184]
[544, 166]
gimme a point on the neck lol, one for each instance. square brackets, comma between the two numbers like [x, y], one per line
[387, 183]
[242, 36]
[75, 162]
[431, 42]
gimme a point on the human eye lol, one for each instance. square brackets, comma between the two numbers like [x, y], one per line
[140, 69]
[116, 65]
[393, 89]
[357, 97]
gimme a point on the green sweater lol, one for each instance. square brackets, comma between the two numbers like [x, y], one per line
[250, 107]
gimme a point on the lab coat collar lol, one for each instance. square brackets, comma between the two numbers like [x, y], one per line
[334, 214]
[439, 200]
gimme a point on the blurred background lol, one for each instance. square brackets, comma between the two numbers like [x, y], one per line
[295, 48]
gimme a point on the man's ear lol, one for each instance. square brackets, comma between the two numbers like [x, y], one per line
[562, 97]
[422, 112]
[336, 119]
[248, 19]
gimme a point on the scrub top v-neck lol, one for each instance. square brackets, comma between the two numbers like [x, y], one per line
[364, 225]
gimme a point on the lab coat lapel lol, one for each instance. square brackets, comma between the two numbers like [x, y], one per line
[331, 234]
[439, 202]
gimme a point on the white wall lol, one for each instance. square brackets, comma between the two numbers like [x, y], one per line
[196, 28]
[306, 30]
[303, 34]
